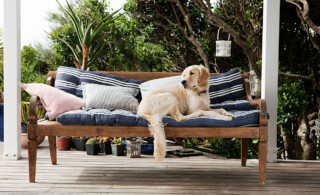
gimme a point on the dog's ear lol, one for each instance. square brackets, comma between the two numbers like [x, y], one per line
[204, 76]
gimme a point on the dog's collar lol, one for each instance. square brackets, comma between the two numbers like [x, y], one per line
[203, 91]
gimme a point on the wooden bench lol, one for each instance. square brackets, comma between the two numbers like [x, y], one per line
[52, 128]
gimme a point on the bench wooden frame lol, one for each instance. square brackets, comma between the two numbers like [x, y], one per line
[52, 128]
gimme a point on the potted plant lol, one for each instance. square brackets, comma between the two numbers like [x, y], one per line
[117, 147]
[24, 123]
[92, 146]
[64, 142]
[79, 143]
[105, 143]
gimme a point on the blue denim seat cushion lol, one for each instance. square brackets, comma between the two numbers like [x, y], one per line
[70, 79]
[232, 105]
[98, 117]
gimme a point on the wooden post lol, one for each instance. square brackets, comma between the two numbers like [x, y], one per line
[12, 92]
[244, 151]
[53, 149]
[263, 149]
[32, 152]
[32, 136]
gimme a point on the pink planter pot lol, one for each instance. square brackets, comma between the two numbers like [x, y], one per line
[24, 140]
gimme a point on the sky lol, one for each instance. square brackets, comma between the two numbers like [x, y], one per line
[34, 22]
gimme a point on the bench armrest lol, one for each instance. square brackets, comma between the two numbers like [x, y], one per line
[261, 103]
[50, 81]
[263, 119]
[32, 115]
[34, 100]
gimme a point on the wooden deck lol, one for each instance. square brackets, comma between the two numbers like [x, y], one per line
[78, 173]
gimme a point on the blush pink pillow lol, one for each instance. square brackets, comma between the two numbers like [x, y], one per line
[54, 100]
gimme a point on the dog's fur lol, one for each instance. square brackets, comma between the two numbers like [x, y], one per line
[185, 100]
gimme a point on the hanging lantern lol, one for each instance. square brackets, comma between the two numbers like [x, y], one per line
[255, 88]
[223, 47]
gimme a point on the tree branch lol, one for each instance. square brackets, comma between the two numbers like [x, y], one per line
[298, 76]
[305, 13]
[214, 20]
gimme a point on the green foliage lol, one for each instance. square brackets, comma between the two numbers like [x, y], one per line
[117, 141]
[88, 31]
[92, 141]
[1, 38]
[291, 102]
[25, 110]
[33, 70]
[230, 148]
[127, 49]
[105, 139]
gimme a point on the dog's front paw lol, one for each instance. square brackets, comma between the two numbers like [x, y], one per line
[230, 115]
[226, 118]
[225, 113]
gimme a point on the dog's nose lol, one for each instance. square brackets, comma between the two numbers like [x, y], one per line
[184, 83]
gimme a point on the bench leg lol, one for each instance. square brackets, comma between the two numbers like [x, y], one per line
[263, 149]
[32, 156]
[53, 149]
[244, 151]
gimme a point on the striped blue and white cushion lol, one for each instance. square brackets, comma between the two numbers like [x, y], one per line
[227, 86]
[70, 79]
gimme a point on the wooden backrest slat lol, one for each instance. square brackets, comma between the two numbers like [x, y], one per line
[143, 76]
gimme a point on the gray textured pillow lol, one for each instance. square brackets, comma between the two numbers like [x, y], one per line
[109, 97]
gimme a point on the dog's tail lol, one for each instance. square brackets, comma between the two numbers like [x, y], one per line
[156, 129]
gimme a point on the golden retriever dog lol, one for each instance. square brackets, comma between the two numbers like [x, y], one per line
[182, 101]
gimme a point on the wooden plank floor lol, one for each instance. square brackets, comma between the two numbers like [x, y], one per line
[81, 174]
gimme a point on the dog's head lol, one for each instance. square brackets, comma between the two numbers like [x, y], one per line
[195, 77]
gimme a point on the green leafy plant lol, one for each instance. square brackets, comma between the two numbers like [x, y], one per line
[88, 32]
[1, 38]
[33, 70]
[117, 141]
[24, 112]
[229, 148]
[92, 141]
[291, 100]
[40, 112]
[105, 139]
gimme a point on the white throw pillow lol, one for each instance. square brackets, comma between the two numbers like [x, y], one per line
[109, 97]
[158, 83]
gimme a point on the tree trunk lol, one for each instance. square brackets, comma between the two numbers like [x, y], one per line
[288, 145]
[308, 141]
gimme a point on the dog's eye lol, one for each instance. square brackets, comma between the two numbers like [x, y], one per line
[191, 73]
